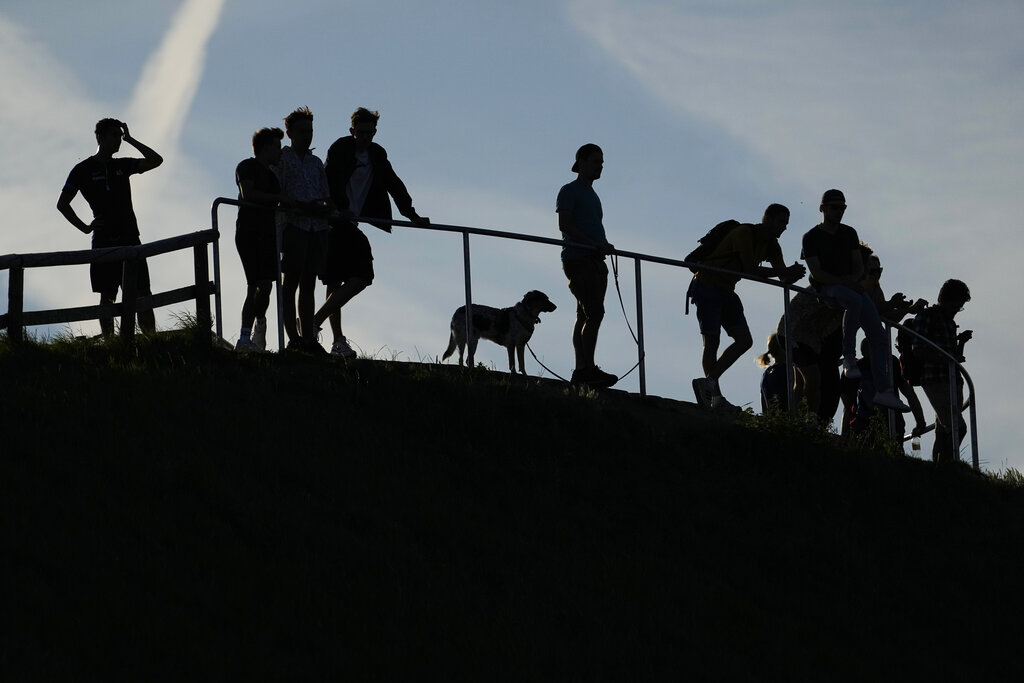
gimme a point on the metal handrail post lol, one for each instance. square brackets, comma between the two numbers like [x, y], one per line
[955, 409]
[891, 369]
[790, 398]
[469, 289]
[218, 308]
[973, 412]
[640, 329]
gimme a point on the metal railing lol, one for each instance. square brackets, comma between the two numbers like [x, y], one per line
[639, 258]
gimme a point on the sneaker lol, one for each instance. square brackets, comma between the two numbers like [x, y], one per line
[594, 377]
[245, 345]
[705, 389]
[341, 348]
[313, 346]
[602, 378]
[719, 403]
[850, 369]
[259, 334]
[889, 399]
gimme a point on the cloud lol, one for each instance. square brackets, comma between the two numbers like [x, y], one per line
[41, 98]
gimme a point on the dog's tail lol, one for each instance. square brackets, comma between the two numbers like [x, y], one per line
[451, 347]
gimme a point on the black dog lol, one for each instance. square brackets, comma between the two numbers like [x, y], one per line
[508, 327]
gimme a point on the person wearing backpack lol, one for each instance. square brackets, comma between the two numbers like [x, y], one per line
[834, 257]
[938, 324]
[742, 249]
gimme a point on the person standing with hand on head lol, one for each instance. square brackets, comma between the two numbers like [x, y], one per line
[104, 182]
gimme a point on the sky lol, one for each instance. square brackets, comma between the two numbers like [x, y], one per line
[706, 110]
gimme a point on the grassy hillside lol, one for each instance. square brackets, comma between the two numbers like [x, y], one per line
[173, 512]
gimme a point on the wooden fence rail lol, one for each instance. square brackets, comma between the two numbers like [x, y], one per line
[17, 319]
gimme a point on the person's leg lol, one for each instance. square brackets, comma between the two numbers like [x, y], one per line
[588, 282]
[709, 352]
[307, 307]
[338, 296]
[107, 322]
[852, 303]
[943, 450]
[878, 345]
[734, 322]
[146, 318]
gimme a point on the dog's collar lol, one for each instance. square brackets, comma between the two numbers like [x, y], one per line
[527, 322]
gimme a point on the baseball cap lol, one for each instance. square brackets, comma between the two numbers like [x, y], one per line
[833, 197]
[582, 153]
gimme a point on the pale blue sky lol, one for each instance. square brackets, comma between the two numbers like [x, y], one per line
[706, 110]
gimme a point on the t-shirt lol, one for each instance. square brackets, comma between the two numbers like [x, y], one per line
[359, 182]
[303, 179]
[105, 186]
[580, 200]
[832, 251]
[740, 246]
[263, 180]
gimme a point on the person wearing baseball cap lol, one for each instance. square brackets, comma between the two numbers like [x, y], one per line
[833, 255]
[580, 220]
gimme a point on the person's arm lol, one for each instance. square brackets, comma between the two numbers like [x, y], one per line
[398, 191]
[150, 159]
[779, 269]
[572, 233]
[66, 210]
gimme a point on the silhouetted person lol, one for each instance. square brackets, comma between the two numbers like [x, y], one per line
[832, 252]
[774, 396]
[815, 330]
[361, 179]
[895, 308]
[938, 324]
[580, 220]
[255, 233]
[858, 398]
[719, 308]
[304, 242]
[104, 182]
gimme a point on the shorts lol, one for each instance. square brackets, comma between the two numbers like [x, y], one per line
[106, 277]
[588, 282]
[303, 252]
[257, 249]
[348, 256]
[717, 309]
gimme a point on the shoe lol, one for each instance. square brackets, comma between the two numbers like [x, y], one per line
[259, 334]
[705, 389]
[341, 348]
[850, 369]
[603, 379]
[593, 377]
[313, 346]
[245, 345]
[889, 399]
[719, 403]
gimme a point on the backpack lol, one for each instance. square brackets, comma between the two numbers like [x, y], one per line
[709, 242]
[910, 361]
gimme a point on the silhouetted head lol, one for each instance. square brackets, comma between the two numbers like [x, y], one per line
[108, 135]
[364, 126]
[953, 295]
[774, 352]
[589, 162]
[299, 126]
[833, 205]
[266, 144]
[776, 219]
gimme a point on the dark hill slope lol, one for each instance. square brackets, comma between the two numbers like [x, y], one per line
[174, 513]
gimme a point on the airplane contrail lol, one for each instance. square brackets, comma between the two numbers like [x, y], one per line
[170, 78]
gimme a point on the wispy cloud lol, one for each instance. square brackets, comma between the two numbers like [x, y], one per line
[41, 98]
